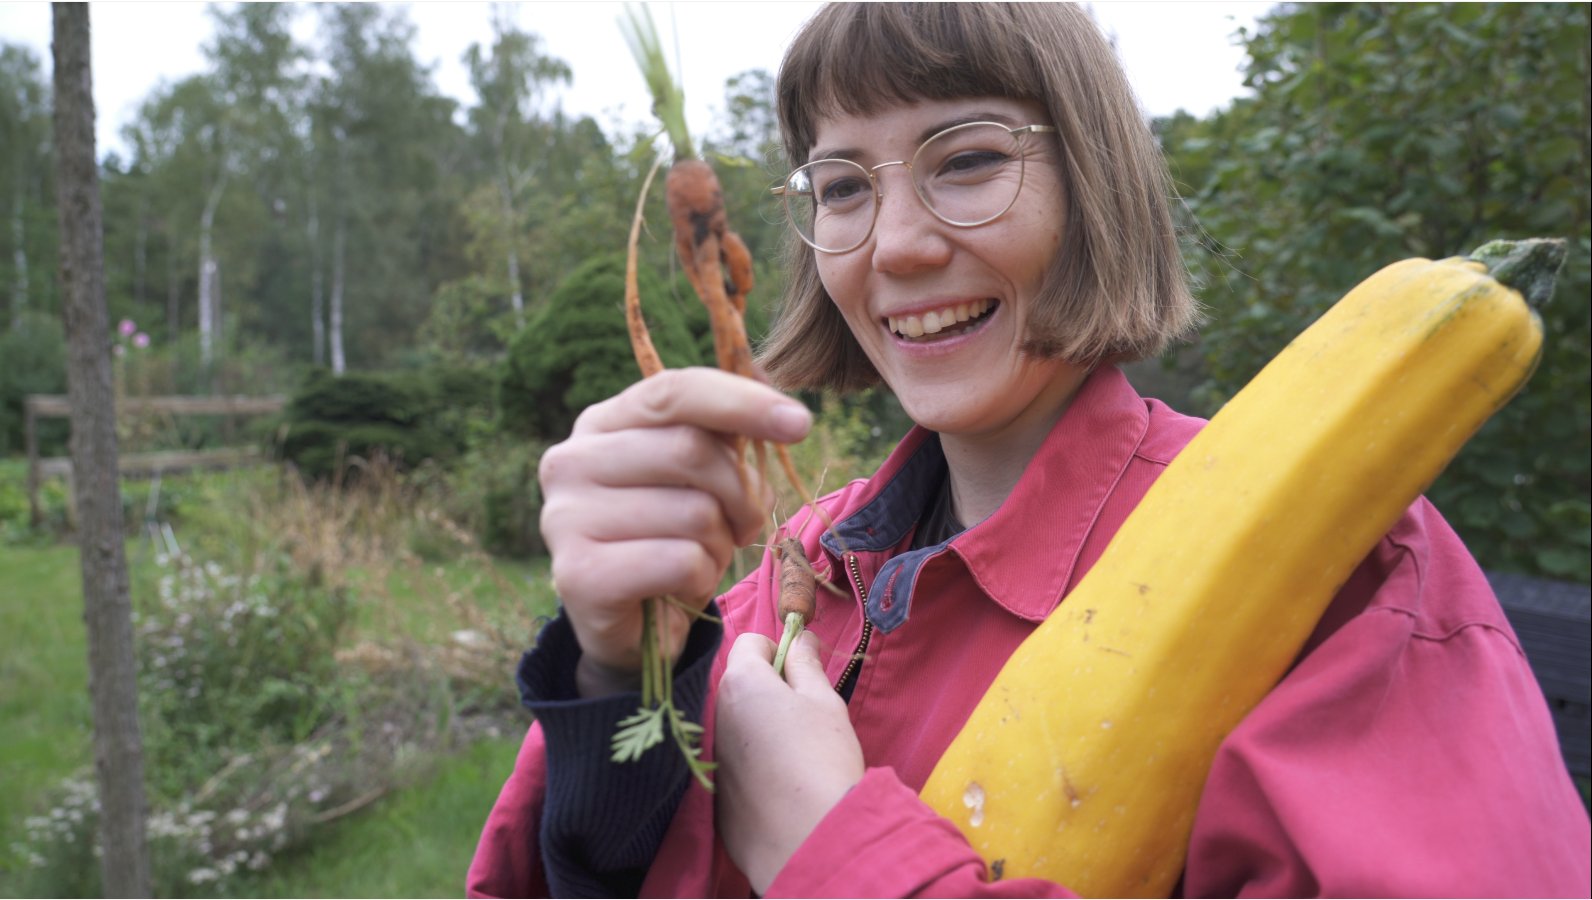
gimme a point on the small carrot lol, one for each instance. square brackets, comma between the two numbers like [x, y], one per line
[798, 595]
[647, 359]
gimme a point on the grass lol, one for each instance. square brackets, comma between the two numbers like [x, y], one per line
[417, 843]
[44, 701]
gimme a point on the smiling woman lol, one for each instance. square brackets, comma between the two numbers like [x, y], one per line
[979, 221]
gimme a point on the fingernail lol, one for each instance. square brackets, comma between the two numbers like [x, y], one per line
[791, 421]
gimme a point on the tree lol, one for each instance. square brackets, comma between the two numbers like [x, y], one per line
[107, 611]
[510, 83]
[392, 144]
[24, 144]
[1383, 131]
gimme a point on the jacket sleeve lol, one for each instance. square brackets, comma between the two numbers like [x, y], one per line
[1410, 753]
[571, 822]
[880, 840]
[508, 860]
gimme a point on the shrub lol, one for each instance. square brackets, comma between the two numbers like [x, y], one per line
[34, 354]
[407, 416]
[576, 351]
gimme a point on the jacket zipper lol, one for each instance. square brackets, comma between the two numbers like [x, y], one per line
[867, 628]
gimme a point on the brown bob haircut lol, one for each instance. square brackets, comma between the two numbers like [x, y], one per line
[1117, 290]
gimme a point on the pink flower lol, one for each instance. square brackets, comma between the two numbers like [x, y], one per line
[140, 340]
[127, 328]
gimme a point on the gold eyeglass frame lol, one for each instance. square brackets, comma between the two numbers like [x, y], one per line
[781, 190]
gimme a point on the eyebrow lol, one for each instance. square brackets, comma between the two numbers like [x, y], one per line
[854, 154]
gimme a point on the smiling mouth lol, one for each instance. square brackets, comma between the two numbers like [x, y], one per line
[942, 323]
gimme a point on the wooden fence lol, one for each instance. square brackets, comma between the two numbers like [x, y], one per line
[54, 406]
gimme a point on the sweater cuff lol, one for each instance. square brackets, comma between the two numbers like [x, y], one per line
[603, 821]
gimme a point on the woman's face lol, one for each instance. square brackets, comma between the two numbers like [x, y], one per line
[968, 378]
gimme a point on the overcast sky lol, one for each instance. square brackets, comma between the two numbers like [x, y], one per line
[1179, 55]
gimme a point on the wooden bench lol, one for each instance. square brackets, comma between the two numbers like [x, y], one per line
[1554, 622]
[47, 406]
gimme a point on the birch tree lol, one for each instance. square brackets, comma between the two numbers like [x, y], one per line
[510, 82]
[24, 146]
[107, 612]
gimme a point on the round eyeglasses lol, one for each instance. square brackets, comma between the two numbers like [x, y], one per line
[966, 175]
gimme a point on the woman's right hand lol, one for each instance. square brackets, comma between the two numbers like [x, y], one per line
[645, 499]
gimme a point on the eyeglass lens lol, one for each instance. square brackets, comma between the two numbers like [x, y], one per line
[966, 175]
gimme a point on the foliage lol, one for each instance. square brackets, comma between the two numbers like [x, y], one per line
[409, 416]
[1379, 132]
[576, 351]
[34, 354]
[27, 191]
[493, 494]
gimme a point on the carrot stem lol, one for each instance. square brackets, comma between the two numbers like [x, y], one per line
[793, 627]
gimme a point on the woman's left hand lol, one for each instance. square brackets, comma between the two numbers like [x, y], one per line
[786, 750]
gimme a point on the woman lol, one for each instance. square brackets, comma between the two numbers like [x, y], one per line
[980, 221]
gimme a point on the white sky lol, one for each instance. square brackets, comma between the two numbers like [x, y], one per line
[1179, 55]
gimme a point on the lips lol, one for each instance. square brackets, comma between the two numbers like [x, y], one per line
[951, 318]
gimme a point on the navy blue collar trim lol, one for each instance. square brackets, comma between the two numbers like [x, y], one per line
[884, 523]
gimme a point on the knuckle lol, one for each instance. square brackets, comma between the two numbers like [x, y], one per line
[555, 464]
[701, 514]
[658, 397]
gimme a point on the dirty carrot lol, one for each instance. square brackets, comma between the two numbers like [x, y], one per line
[798, 595]
[718, 265]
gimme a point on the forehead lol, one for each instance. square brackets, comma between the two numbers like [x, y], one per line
[898, 128]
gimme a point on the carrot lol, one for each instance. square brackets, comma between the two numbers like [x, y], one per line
[718, 265]
[647, 359]
[798, 595]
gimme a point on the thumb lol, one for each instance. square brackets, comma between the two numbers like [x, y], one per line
[804, 671]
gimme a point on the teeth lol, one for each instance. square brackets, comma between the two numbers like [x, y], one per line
[938, 320]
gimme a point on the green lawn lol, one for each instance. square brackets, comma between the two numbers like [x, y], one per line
[414, 844]
[44, 704]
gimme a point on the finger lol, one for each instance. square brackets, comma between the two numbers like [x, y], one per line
[604, 515]
[751, 649]
[679, 456]
[617, 574]
[708, 398]
[804, 669]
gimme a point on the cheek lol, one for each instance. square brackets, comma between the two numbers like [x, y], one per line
[843, 289]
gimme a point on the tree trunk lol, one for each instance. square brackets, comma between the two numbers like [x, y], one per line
[19, 249]
[338, 233]
[140, 251]
[207, 273]
[107, 613]
[317, 298]
[516, 295]
[173, 295]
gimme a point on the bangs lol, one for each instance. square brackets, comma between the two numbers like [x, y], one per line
[858, 59]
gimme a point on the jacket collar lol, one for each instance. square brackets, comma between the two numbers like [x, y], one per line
[1024, 554]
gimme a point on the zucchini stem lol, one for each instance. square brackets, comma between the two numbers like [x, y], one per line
[1530, 266]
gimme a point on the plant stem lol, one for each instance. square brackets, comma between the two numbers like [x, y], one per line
[793, 628]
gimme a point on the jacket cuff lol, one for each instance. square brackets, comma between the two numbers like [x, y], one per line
[603, 821]
[880, 840]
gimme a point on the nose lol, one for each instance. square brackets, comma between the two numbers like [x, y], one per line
[906, 236]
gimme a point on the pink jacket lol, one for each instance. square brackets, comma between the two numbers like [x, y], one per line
[1409, 752]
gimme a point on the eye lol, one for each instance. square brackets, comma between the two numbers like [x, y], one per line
[844, 191]
[971, 165]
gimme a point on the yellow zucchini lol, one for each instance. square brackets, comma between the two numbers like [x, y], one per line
[1084, 762]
